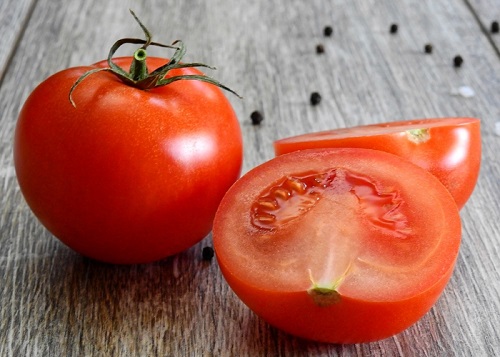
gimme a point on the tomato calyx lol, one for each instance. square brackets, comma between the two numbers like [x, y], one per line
[138, 75]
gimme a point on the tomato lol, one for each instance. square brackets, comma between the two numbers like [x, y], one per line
[331, 245]
[127, 175]
[450, 148]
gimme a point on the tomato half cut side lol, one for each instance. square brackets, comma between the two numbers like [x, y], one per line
[449, 148]
[331, 245]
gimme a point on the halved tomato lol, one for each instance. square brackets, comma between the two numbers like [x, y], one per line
[449, 148]
[338, 245]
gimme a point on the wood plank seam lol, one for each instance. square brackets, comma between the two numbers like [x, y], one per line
[483, 27]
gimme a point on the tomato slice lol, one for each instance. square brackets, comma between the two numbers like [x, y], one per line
[340, 245]
[449, 148]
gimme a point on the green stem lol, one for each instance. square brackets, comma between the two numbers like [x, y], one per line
[138, 68]
[138, 76]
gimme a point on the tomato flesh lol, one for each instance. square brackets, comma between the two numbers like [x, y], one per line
[449, 148]
[331, 245]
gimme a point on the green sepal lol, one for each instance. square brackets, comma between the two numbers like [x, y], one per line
[138, 75]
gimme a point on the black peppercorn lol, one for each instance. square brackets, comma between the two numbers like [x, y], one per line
[428, 48]
[494, 27]
[207, 253]
[393, 29]
[457, 61]
[328, 31]
[320, 49]
[315, 98]
[256, 117]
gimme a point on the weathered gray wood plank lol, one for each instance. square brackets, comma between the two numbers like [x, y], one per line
[13, 16]
[53, 302]
[487, 11]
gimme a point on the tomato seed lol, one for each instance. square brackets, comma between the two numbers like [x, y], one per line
[266, 217]
[315, 98]
[291, 198]
[458, 61]
[282, 193]
[428, 48]
[296, 185]
[207, 253]
[256, 117]
[328, 31]
[320, 48]
[393, 29]
[266, 203]
[495, 27]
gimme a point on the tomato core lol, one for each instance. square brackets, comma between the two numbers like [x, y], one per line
[353, 199]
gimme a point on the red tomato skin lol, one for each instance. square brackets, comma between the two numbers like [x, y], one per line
[129, 175]
[348, 321]
[452, 154]
[351, 320]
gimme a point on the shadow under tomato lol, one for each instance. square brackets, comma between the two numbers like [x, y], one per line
[176, 306]
[89, 302]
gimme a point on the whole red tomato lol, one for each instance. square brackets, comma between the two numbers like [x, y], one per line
[127, 175]
[331, 245]
[449, 148]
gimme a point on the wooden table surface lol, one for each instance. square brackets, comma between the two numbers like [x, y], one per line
[56, 303]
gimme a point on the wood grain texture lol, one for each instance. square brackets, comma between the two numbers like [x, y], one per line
[13, 15]
[487, 11]
[54, 302]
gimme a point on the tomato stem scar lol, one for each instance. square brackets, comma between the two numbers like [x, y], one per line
[327, 294]
[418, 135]
[138, 75]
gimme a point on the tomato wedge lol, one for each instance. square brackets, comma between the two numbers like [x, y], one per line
[449, 148]
[332, 245]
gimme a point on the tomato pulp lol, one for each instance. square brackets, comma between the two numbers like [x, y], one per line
[330, 245]
[449, 148]
[128, 175]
